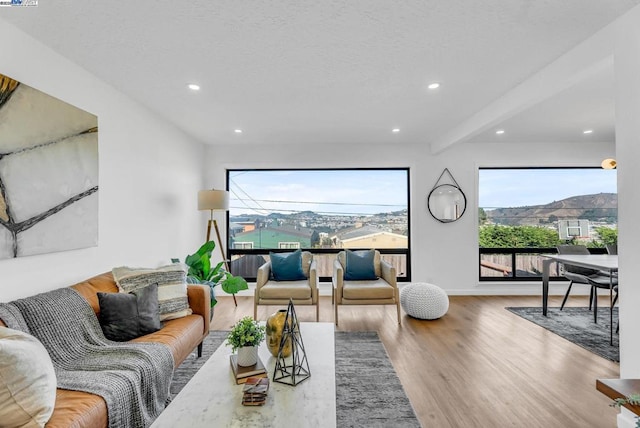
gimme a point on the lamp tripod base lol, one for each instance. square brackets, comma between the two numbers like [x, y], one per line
[224, 259]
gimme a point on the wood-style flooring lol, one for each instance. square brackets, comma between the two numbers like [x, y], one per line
[478, 366]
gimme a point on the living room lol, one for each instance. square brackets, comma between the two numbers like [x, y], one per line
[150, 170]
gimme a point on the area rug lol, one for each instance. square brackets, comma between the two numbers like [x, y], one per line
[368, 391]
[577, 326]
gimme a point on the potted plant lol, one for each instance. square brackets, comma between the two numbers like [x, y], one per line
[244, 337]
[201, 272]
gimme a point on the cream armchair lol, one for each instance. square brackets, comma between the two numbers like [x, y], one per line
[381, 291]
[303, 292]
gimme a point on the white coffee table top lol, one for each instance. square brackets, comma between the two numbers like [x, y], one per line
[213, 399]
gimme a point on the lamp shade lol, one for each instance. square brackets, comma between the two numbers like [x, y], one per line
[216, 200]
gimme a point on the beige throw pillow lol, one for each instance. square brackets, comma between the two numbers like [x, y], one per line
[172, 287]
[27, 381]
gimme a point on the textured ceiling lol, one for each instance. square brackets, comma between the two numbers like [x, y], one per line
[331, 71]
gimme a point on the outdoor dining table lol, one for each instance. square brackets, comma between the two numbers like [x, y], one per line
[604, 262]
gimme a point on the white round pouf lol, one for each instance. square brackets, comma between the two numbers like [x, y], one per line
[424, 301]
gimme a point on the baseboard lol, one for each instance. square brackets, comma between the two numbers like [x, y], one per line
[488, 289]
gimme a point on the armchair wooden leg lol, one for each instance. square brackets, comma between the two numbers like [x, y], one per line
[317, 311]
[255, 310]
[335, 316]
[398, 307]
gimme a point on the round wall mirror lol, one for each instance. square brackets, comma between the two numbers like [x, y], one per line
[446, 203]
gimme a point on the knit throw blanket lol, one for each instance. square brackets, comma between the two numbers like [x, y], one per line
[133, 378]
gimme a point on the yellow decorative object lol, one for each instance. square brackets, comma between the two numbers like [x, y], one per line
[275, 325]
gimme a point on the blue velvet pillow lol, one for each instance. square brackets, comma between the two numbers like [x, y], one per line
[287, 266]
[359, 265]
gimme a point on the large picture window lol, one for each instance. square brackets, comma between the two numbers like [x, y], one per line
[319, 210]
[524, 213]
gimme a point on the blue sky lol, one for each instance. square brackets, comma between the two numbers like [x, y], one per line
[518, 187]
[347, 192]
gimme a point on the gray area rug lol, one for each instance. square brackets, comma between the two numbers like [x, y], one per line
[368, 391]
[577, 326]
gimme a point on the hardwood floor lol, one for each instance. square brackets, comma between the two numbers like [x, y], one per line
[479, 365]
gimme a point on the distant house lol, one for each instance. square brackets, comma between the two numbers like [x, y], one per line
[275, 238]
[235, 228]
[368, 237]
[242, 224]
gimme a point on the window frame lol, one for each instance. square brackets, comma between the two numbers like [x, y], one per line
[391, 251]
[245, 245]
[513, 252]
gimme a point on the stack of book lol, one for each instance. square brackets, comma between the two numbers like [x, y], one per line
[242, 373]
[254, 391]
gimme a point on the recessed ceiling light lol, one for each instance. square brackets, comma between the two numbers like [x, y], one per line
[500, 131]
[238, 131]
[193, 87]
[434, 85]
[395, 130]
[588, 131]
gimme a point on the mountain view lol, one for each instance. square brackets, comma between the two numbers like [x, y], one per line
[600, 207]
[395, 221]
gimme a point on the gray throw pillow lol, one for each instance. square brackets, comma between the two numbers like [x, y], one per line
[172, 286]
[125, 316]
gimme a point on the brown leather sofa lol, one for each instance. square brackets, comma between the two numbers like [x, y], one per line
[80, 409]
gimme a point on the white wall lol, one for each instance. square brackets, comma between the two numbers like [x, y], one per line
[445, 254]
[150, 173]
[627, 69]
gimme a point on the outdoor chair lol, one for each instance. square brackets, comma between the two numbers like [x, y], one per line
[351, 286]
[592, 277]
[285, 276]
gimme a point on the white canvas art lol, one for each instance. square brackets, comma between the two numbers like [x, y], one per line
[48, 173]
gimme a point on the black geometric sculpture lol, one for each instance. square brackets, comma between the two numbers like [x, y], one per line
[296, 369]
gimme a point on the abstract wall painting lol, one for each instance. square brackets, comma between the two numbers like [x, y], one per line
[48, 173]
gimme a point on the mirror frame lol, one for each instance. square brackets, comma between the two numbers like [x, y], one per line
[431, 198]
[447, 220]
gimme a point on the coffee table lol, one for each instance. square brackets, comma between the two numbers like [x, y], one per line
[213, 399]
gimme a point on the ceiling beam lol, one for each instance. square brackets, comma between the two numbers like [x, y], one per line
[589, 57]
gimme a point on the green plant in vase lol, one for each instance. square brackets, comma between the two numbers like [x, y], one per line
[201, 271]
[244, 337]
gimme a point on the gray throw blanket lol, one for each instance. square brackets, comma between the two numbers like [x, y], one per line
[133, 378]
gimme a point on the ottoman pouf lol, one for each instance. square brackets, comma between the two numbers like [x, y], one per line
[424, 301]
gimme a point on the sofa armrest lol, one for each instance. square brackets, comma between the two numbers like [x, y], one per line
[200, 302]
[388, 273]
[263, 275]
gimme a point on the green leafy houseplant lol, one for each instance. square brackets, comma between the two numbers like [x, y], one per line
[202, 272]
[246, 332]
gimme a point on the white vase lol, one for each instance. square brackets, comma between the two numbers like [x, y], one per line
[247, 356]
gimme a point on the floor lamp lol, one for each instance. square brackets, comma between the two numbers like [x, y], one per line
[215, 200]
